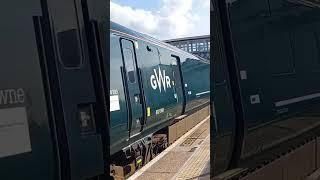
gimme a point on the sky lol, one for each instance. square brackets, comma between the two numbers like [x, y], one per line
[163, 19]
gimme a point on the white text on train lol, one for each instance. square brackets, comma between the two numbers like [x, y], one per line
[159, 80]
[11, 96]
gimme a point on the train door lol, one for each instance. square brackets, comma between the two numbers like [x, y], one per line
[134, 95]
[179, 88]
[227, 120]
[71, 90]
[27, 147]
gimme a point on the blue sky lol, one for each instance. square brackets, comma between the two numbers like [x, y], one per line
[152, 5]
[163, 19]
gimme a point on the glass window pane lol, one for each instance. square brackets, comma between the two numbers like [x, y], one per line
[129, 63]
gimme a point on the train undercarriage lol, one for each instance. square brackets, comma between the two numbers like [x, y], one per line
[133, 157]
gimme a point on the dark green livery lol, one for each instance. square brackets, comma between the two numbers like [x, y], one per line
[151, 83]
[50, 107]
[265, 80]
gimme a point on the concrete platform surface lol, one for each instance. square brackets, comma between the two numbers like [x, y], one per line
[187, 158]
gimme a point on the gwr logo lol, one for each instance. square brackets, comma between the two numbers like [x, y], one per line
[159, 80]
[12, 96]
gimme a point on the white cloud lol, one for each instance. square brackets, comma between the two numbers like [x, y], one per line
[205, 4]
[175, 18]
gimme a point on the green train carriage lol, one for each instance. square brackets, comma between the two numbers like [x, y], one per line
[151, 84]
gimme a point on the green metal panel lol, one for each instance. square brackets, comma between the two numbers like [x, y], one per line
[158, 83]
[70, 69]
[161, 82]
[276, 52]
[119, 126]
[131, 81]
[33, 57]
[196, 76]
[26, 143]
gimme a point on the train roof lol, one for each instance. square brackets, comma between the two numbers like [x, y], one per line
[121, 29]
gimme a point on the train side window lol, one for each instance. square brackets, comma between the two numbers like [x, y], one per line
[129, 63]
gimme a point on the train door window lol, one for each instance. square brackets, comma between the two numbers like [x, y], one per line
[68, 36]
[129, 63]
[69, 48]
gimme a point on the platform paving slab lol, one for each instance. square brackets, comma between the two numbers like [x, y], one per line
[189, 158]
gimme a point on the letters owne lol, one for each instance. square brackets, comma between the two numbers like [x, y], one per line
[11, 96]
[160, 80]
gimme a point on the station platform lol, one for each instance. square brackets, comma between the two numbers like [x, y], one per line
[187, 158]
